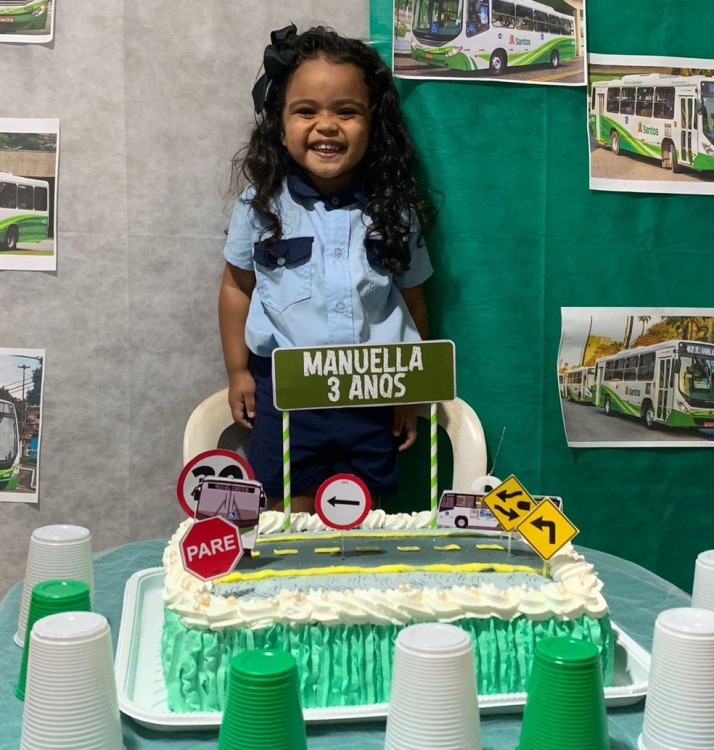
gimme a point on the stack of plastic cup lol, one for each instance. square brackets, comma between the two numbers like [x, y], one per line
[57, 551]
[71, 699]
[262, 710]
[565, 706]
[679, 708]
[49, 598]
[433, 703]
[703, 589]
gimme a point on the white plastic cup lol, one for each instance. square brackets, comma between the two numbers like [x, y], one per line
[679, 708]
[71, 698]
[433, 703]
[56, 551]
[703, 589]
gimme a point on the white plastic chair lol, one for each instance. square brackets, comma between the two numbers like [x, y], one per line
[211, 426]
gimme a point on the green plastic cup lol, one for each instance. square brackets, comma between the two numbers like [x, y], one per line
[565, 706]
[262, 710]
[49, 598]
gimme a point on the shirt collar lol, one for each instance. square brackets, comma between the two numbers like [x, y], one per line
[300, 186]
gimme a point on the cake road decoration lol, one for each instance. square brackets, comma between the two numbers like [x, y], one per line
[363, 375]
[547, 529]
[211, 548]
[218, 463]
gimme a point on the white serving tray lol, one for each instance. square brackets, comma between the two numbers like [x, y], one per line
[142, 692]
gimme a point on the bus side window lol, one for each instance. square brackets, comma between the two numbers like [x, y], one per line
[8, 195]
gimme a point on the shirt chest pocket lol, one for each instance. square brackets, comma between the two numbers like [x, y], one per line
[283, 272]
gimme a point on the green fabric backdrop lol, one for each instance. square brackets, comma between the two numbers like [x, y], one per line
[519, 236]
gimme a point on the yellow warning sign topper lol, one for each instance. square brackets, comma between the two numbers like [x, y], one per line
[509, 502]
[546, 529]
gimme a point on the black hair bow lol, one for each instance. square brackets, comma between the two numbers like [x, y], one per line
[278, 59]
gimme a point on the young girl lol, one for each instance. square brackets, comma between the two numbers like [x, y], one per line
[324, 247]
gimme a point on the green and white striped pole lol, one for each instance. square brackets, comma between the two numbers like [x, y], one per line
[286, 471]
[433, 464]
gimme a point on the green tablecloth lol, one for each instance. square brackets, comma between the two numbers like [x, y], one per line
[635, 596]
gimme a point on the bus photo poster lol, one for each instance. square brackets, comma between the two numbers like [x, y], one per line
[21, 380]
[637, 377]
[651, 124]
[520, 41]
[29, 155]
[27, 21]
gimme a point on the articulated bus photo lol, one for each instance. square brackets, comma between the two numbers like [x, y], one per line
[490, 35]
[661, 116]
[24, 210]
[579, 385]
[9, 447]
[669, 383]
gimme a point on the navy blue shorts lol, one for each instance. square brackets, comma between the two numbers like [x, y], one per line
[323, 442]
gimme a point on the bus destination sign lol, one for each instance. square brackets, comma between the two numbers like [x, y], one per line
[364, 375]
[696, 349]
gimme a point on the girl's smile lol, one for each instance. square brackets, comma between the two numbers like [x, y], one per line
[326, 121]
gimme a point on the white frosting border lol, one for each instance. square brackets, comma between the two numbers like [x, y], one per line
[575, 590]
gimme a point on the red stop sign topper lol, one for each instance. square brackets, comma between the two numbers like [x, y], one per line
[211, 548]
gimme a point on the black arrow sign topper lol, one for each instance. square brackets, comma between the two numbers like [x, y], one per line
[508, 495]
[333, 501]
[541, 523]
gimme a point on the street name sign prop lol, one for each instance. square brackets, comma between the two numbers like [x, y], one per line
[325, 377]
[363, 375]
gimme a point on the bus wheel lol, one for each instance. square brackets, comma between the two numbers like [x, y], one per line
[647, 415]
[11, 238]
[554, 59]
[615, 142]
[608, 407]
[461, 522]
[497, 63]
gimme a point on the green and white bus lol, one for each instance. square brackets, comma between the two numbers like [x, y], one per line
[24, 210]
[9, 447]
[669, 383]
[579, 385]
[660, 116]
[22, 15]
[490, 34]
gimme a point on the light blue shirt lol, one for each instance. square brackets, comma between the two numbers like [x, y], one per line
[322, 290]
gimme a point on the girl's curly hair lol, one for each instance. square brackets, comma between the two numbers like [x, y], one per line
[387, 167]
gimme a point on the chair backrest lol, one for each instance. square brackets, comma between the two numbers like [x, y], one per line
[211, 426]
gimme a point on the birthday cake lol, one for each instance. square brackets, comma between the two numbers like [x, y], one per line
[338, 602]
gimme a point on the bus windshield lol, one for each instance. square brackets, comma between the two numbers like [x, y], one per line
[8, 438]
[707, 109]
[695, 379]
[437, 20]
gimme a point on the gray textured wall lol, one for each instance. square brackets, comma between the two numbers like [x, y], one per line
[153, 99]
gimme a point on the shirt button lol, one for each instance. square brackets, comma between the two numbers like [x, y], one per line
[335, 201]
[281, 261]
[338, 252]
[340, 307]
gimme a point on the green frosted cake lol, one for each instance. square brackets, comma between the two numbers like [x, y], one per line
[338, 607]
